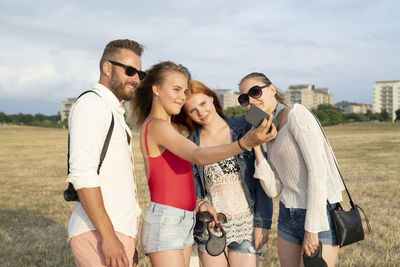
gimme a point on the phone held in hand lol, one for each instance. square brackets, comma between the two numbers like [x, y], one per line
[255, 116]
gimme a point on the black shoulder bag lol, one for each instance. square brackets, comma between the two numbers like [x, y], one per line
[70, 193]
[347, 224]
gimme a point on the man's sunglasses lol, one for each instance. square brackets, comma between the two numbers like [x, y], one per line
[130, 71]
[254, 92]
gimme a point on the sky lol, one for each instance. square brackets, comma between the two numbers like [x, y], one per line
[50, 50]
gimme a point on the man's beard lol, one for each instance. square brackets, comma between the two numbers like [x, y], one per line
[117, 86]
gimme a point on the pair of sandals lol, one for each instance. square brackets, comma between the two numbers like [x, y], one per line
[215, 244]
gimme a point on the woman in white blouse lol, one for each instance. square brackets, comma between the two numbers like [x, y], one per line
[301, 169]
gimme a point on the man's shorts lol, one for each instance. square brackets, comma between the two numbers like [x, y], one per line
[87, 252]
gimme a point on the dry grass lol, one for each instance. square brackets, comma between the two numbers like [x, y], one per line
[34, 216]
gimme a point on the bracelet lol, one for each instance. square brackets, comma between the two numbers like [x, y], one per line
[198, 200]
[199, 204]
[242, 146]
[205, 201]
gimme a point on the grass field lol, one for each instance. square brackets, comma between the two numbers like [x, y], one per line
[34, 216]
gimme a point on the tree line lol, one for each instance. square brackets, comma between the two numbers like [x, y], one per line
[329, 115]
[326, 114]
[32, 120]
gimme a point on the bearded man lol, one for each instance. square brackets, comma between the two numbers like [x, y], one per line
[103, 226]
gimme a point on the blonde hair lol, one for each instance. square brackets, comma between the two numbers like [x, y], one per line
[143, 97]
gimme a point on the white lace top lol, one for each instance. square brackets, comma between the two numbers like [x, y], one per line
[302, 169]
[225, 188]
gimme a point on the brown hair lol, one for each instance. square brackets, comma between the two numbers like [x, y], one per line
[113, 48]
[196, 87]
[143, 97]
[262, 78]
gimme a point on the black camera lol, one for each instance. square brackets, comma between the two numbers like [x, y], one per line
[70, 194]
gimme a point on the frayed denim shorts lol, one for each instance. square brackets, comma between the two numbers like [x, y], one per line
[165, 228]
[291, 226]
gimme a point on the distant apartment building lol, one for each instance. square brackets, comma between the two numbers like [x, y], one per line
[66, 107]
[227, 97]
[387, 97]
[347, 107]
[308, 95]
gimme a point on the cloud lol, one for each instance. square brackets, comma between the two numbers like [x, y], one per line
[50, 49]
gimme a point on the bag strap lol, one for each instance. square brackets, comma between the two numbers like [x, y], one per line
[106, 142]
[366, 219]
[353, 206]
[334, 159]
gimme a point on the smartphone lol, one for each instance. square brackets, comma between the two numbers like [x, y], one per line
[255, 116]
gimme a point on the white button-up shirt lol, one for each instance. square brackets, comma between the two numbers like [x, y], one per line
[89, 121]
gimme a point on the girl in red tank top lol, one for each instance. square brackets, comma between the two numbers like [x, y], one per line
[167, 229]
[170, 179]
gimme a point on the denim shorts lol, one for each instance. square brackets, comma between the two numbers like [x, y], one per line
[291, 226]
[165, 227]
[245, 247]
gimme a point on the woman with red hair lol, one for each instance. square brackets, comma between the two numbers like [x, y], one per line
[227, 185]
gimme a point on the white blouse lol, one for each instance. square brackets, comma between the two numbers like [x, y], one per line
[301, 168]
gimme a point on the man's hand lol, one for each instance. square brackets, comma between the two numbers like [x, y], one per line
[261, 236]
[112, 249]
[114, 252]
[310, 243]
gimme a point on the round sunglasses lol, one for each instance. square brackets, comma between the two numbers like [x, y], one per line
[129, 70]
[254, 92]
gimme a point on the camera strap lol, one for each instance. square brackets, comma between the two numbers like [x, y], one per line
[106, 142]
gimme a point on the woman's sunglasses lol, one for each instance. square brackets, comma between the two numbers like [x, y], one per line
[255, 92]
[130, 71]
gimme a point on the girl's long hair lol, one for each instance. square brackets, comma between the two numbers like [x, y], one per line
[140, 105]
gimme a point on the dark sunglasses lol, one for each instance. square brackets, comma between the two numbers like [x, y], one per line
[130, 71]
[254, 92]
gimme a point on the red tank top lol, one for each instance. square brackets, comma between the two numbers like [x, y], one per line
[171, 180]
